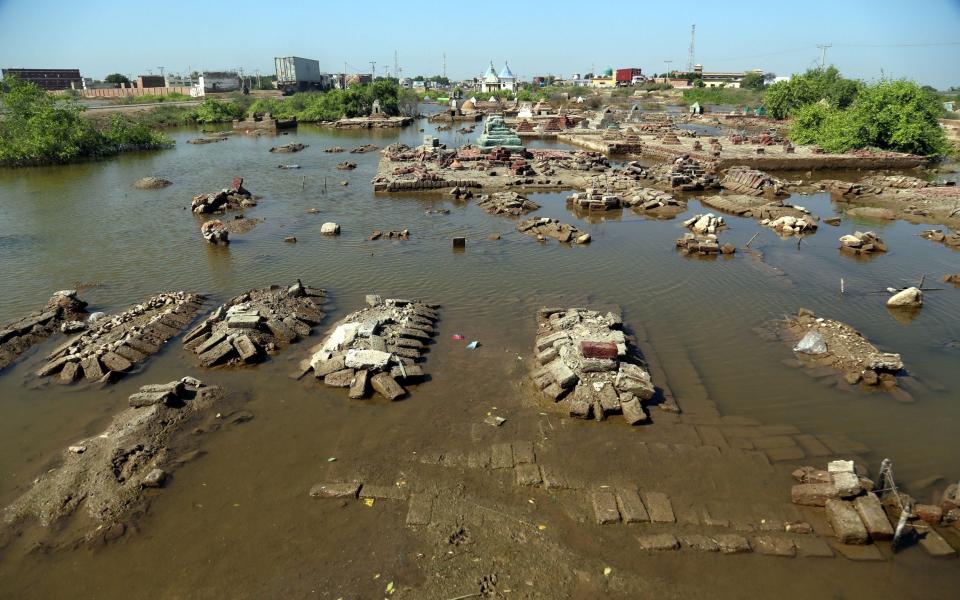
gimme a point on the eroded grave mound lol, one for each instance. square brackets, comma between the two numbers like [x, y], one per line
[378, 346]
[586, 365]
[113, 345]
[256, 324]
[825, 342]
[63, 311]
[109, 473]
[751, 182]
[544, 227]
[861, 242]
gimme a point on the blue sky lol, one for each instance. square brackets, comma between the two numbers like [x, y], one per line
[870, 38]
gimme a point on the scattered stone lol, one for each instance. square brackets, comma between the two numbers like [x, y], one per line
[873, 517]
[346, 166]
[813, 494]
[586, 365]
[154, 479]
[862, 243]
[215, 232]
[290, 239]
[731, 543]
[744, 180]
[703, 245]
[384, 340]
[774, 546]
[631, 507]
[420, 510]
[330, 228]
[700, 543]
[659, 507]
[364, 148]
[528, 474]
[506, 203]
[935, 545]
[703, 224]
[151, 183]
[951, 240]
[543, 227]
[287, 148]
[910, 297]
[333, 150]
[403, 234]
[605, 508]
[256, 324]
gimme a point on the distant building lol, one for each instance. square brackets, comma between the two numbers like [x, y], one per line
[604, 80]
[406, 82]
[491, 82]
[150, 81]
[212, 82]
[48, 79]
[90, 84]
[174, 80]
[730, 79]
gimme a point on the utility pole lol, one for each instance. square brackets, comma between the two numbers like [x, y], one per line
[823, 54]
[258, 79]
[396, 65]
[373, 69]
[161, 70]
[444, 65]
[668, 67]
[693, 35]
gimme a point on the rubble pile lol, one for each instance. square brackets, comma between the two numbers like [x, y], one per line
[113, 345]
[791, 225]
[951, 240]
[620, 188]
[403, 234]
[703, 245]
[109, 473]
[256, 324]
[64, 311]
[825, 342]
[704, 223]
[854, 512]
[544, 227]
[377, 347]
[215, 232]
[346, 166]
[874, 184]
[234, 198]
[506, 203]
[684, 173]
[862, 243]
[333, 150]
[364, 149]
[586, 365]
[291, 147]
[751, 182]
[594, 200]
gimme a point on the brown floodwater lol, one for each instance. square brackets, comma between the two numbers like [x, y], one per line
[235, 524]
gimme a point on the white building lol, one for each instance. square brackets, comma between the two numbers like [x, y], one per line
[491, 82]
[211, 82]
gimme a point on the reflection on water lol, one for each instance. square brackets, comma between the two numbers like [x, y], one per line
[85, 223]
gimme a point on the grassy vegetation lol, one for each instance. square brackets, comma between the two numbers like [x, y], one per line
[719, 95]
[356, 101]
[38, 128]
[151, 98]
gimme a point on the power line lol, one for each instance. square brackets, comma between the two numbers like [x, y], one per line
[823, 53]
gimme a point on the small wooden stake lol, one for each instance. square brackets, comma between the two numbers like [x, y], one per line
[751, 239]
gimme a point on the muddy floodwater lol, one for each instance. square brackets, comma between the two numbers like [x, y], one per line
[238, 521]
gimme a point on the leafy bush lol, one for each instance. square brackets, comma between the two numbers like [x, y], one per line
[39, 128]
[889, 115]
[716, 95]
[356, 101]
[783, 98]
[212, 110]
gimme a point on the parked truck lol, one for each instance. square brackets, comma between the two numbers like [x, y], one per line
[295, 74]
[629, 76]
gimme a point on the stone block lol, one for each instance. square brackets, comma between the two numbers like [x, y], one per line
[92, 369]
[501, 456]
[846, 483]
[594, 349]
[70, 372]
[218, 354]
[246, 348]
[335, 490]
[605, 508]
[928, 513]
[387, 386]
[813, 494]
[131, 354]
[244, 321]
[408, 374]
[812, 547]
[731, 543]
[523, 452]
[631, 507]
[366, 359]
[142, 399]
[325, 367]
[420, 510]
[281, 331]
[658, 542]
[358, 387]
[774, 546]
[563, 375]
[700, 543]
[935, 545]
[659, 507]
[528, 474]
[633, 411]
[114, 362]
[342, 378]
[873, 517]
[846, 523]
[208, 344]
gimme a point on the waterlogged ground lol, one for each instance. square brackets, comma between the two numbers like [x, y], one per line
[238, 522]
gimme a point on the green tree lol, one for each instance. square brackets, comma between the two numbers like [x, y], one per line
[116, 78]
[753, 81]
[699, 83]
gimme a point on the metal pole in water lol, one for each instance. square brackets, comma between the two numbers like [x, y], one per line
[841, 286]
[901, 528]
[303, 182]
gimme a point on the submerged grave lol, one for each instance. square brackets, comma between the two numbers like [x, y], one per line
[256, 324]
[378, 346]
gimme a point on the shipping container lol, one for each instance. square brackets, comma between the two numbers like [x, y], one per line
[295, 74]
[625, 76]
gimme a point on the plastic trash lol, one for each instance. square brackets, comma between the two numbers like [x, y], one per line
[457, 336]
[473, 345]
[812, 343]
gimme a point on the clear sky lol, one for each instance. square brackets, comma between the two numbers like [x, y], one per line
[870, 38]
